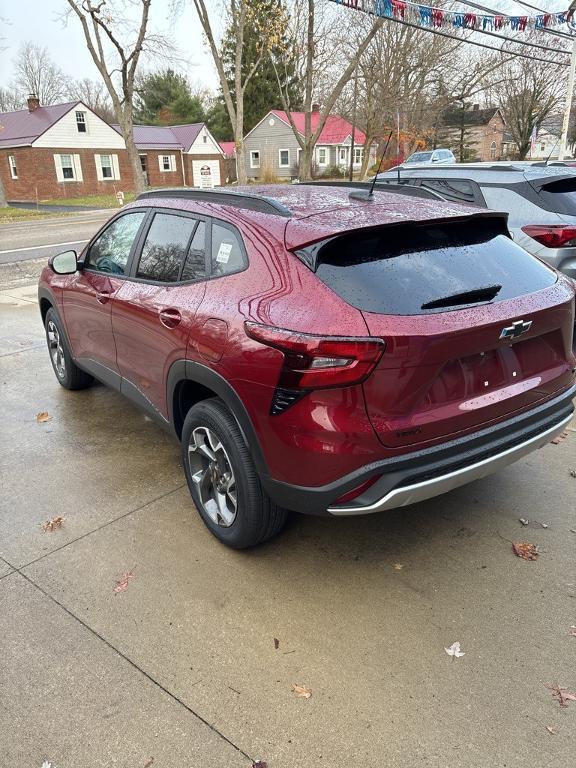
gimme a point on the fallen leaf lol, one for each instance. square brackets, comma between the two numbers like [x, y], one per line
[573, 473]
[259, 764]
[559, 438]
[562, 694]
[149, 763]
[551, 730]
[301, 691]
[122, 582]
[545, 525]
[52, 524]
[572, 530]
[525, 551]
[43, 417]
[276, 643]
[572, 632]
[454, 650]
[46, 764]
[398, 566]
[523, 520]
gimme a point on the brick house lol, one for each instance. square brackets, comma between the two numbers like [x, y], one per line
[473, 134]
[272, 147]
[66, 150]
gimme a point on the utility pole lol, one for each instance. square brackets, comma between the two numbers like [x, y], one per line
[569, 93]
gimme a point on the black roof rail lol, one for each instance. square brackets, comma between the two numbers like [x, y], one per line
[401, 189]
[259, 203]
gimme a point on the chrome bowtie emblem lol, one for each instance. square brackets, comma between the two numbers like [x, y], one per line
[516, 329]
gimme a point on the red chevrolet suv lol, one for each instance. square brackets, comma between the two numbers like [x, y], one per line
[318, 348]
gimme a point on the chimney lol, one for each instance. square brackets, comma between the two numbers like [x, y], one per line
[33, 102]
[476, 107]
[315, 107]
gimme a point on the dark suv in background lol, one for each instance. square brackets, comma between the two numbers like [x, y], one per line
[317, 349]
[540, 201]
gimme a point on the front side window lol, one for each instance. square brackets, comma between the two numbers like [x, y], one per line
[81, 122]
[227, 255]
[67, 165]
[13, 167]
[166, 247]
[254, 159]
[110, 251]
[284, 158]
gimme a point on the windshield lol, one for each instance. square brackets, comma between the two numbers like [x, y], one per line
[419, 157]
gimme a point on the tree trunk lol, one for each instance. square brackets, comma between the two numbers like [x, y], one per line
[3, 203]
[239, 142]
[365, 157]
[126, 126]
[306, 162]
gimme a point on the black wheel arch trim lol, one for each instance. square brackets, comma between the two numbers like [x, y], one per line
[189, 370]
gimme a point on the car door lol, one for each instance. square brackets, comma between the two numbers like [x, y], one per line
[89, 295]
[154, 309]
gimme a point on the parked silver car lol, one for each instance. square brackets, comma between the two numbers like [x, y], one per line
[540, 201]
[430, 157]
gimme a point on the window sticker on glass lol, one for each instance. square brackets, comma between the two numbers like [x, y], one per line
[224, 252]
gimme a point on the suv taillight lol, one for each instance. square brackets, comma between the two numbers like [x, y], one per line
[319, 362]
[552, 235]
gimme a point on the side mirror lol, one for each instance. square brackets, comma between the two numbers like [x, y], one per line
[64, 263]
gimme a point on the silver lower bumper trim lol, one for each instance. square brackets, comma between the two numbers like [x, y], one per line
[411, 494]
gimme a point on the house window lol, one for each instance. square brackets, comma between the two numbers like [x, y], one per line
[542, 147]
[322, 156]
[205, 139]
[342, 154]
[106, 167]
[67, 165]
[167, 163]
[81, 122]
[254, 158]
[13, 168]
[493, 150]
[284, 158]
[358, 154]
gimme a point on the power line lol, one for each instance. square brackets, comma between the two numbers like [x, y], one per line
[472, 42]
[557, 32]
[517, 40]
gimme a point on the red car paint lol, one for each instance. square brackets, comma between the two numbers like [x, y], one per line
[440, 375]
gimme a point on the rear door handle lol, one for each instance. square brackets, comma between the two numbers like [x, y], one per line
[170, 317]
[103, 296]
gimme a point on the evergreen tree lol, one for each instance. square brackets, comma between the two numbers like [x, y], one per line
[164, 98]
[262, 91]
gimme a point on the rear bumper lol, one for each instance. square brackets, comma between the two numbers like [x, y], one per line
[420, 475]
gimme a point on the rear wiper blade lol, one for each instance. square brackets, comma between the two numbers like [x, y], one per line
[466, 297]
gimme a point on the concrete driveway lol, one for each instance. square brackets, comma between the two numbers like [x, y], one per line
[180, 668]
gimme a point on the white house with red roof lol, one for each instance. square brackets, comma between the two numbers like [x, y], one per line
[272, 147]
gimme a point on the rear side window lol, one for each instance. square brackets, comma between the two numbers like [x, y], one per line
[457, 190]
[110, 251]
[559, 196]
[166, 247]
[227, 254]
[429, 268]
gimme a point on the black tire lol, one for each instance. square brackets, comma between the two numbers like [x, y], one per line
[63, 365]
[256, 517]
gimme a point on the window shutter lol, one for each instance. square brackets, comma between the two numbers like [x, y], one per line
[98, 168]
[77, 168]
[115, 168]
[58, 164]
[160, 163]
[172, 162]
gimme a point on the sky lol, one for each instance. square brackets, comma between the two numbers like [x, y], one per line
[40, 21]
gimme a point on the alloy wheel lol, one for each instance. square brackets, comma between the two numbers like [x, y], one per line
[56, 349]
[213, 477]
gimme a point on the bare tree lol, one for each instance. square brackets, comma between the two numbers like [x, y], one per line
[314, 48]
[10, 100]
[36, 73]
[95, 95]
[101, 31]
[241, 15]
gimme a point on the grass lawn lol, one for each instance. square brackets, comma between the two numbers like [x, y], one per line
[94, 201]
[8, 215]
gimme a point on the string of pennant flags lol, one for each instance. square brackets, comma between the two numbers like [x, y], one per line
[429, 16]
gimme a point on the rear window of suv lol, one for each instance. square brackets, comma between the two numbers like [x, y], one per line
[436, 267]
[560, 196]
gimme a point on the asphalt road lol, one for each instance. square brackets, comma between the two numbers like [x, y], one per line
[42, 238]
[190, 662]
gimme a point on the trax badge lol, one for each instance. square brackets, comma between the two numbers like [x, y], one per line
[515, 330]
